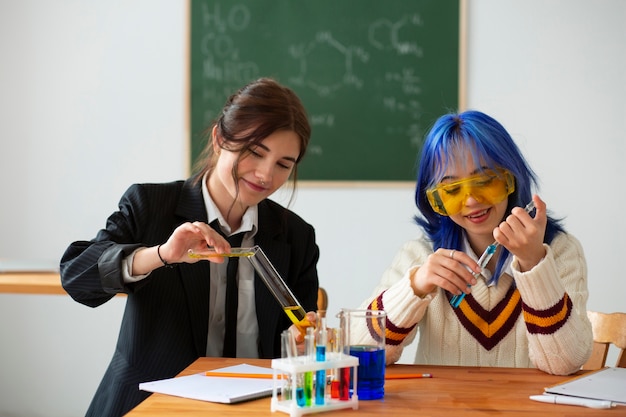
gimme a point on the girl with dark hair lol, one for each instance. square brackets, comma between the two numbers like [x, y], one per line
[176, 305]
[527, 307]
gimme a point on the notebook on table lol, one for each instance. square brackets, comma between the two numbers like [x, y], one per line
[608, 384]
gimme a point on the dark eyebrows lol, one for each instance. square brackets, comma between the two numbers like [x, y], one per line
[287, 158]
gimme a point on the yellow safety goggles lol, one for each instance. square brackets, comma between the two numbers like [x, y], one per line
[490, 187]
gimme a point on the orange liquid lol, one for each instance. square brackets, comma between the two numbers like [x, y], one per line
[297, 315]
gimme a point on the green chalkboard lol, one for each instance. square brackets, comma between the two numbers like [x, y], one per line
[373, 74]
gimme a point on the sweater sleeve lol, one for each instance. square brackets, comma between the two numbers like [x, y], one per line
[395, 296]
[554, 298]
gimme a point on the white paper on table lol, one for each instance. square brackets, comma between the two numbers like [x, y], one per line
[216, 389]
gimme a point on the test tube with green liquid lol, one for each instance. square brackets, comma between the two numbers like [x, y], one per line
[279, 289]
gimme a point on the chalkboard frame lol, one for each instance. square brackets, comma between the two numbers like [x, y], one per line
[330, 182]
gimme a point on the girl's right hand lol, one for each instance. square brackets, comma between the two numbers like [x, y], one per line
[447, 269]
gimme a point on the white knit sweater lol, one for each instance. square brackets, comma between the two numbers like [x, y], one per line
[533, 319]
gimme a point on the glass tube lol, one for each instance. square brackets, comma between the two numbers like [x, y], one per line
[279, 289]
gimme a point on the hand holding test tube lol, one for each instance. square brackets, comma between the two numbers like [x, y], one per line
[291, 306]
[484, 260]
[270, 277]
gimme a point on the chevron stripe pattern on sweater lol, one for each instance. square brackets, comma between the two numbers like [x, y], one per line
[550, 320]
[489, 327]
[394, 335]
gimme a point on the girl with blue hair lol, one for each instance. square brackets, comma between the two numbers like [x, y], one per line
[527, 306]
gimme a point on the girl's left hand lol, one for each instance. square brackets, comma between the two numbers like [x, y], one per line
[523, 235]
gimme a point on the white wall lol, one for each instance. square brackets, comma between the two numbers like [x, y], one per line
[93, 100]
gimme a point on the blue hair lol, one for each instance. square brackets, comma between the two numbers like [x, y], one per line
[491, 146]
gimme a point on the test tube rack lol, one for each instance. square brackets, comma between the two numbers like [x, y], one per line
[299, 365]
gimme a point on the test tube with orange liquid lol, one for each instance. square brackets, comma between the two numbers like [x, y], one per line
[279, 289]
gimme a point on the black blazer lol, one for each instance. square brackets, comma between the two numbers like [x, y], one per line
[165, 323]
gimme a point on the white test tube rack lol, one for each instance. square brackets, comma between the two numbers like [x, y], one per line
[299, 365]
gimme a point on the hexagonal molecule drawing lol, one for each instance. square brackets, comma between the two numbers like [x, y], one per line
[325, 48]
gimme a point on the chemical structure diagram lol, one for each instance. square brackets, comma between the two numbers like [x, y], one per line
[324, 45]
[399, 37]
[384, 34]
[324, 64]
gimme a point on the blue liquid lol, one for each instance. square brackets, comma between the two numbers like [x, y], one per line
[371, 371]
[300, 397]
[320, 376]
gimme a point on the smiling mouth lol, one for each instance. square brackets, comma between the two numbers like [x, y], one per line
[257, 187]
[478, 214]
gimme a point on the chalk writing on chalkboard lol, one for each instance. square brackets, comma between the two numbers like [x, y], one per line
[373, 75]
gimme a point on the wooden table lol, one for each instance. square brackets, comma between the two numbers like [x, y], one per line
[31, 283]
[34, 282]
[453, 391]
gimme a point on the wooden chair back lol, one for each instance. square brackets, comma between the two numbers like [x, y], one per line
[608, 329]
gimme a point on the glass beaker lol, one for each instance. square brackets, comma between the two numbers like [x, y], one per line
[364, 337]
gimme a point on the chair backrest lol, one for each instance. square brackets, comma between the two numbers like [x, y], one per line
[608, 329]
[322, 302]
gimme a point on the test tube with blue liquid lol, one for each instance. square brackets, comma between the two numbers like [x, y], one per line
[484, 260]
[300, 398]
[320, 356]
